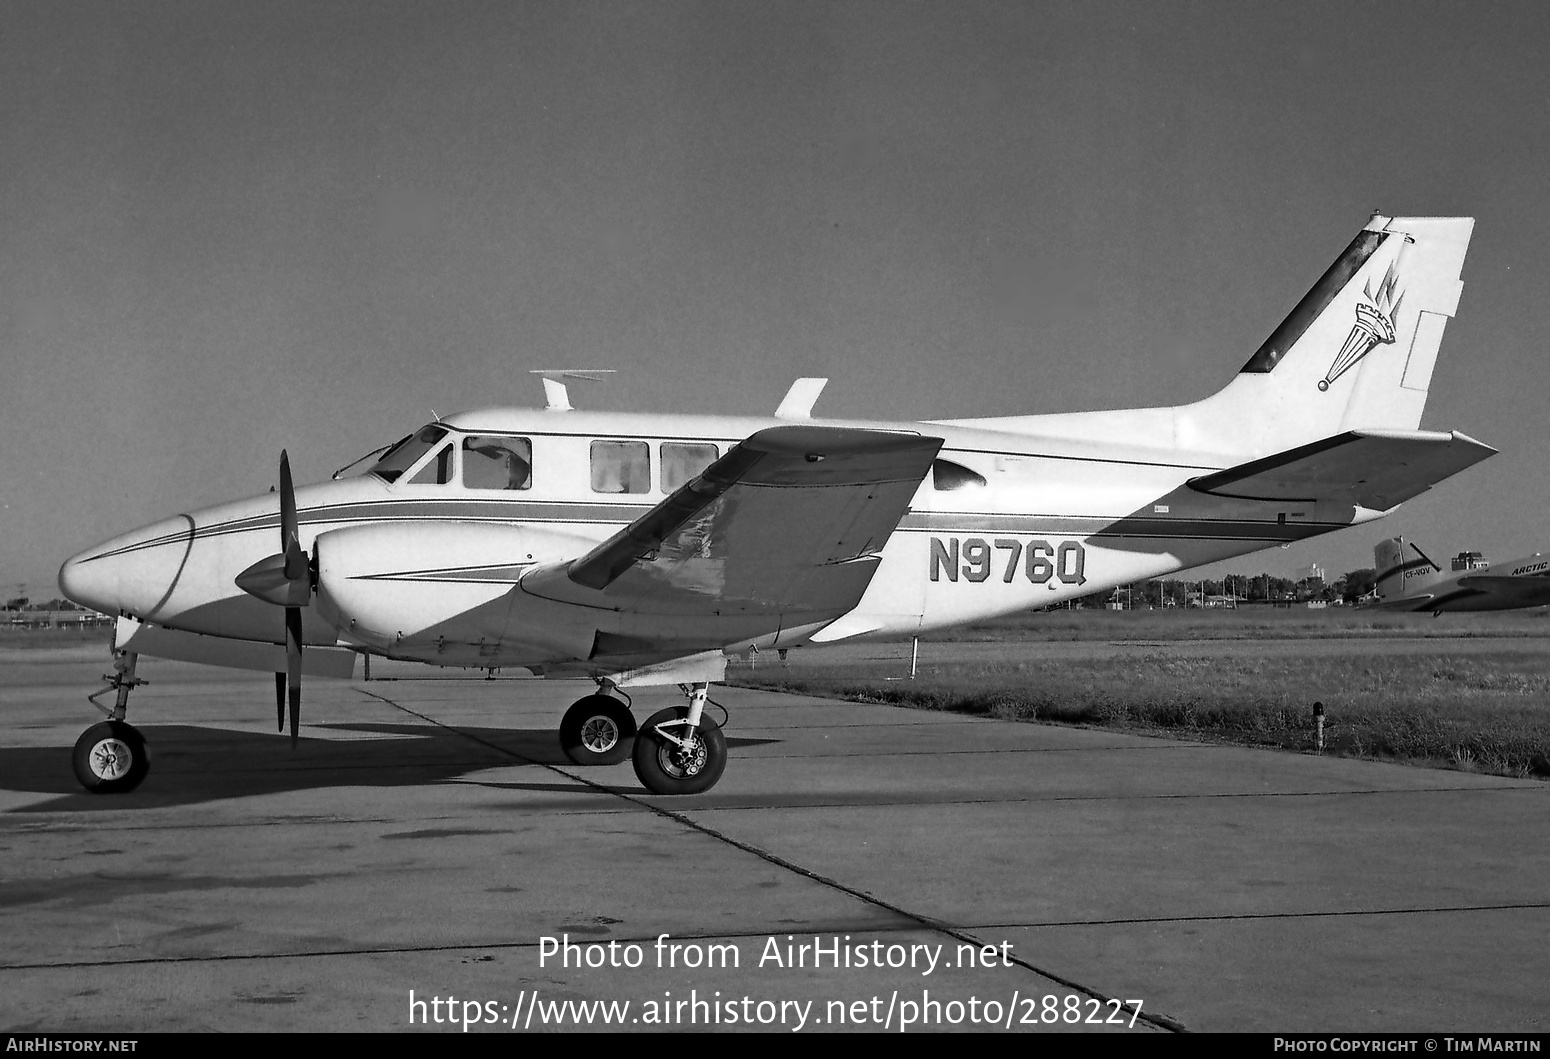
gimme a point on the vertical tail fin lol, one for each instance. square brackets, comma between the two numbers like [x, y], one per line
[1357, 351]
[1389, 557]
[1397, 577]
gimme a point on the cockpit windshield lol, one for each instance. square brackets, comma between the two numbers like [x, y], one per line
[405, 454]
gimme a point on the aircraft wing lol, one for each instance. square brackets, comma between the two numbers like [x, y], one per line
[1374, 469]
[784, 530]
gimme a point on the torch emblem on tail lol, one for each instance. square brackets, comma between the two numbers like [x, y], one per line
[1375, 319]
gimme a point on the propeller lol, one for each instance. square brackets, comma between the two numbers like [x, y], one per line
[285, 580]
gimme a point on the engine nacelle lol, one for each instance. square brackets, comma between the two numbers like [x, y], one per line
[414, 589]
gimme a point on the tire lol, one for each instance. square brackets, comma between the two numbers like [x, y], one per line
[111, 758]
[665, 768]
[597, 730]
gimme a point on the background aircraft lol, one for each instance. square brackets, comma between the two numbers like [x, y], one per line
[1471, 583]
[637, 549]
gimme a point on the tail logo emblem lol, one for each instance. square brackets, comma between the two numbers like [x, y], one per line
[1374, 325]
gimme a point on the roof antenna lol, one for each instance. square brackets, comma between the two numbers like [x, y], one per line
[555, 392]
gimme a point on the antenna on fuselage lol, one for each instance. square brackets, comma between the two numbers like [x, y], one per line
[555, 392]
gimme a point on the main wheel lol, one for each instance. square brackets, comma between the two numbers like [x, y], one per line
[110, 758]
[597, 730]
[665, 767]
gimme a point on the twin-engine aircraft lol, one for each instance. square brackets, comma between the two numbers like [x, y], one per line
[1472, 584]
[634, 549]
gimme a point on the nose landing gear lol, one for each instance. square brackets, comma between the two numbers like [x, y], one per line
[112, 757]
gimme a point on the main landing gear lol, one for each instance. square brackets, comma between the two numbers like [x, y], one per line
[677, 751]
[597, 730]
[112, 757]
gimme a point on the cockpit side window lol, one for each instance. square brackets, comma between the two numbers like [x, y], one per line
[947, 476]
[621, 467]
[497, 463]
[681, 461]
[406, 453]
[437, 471]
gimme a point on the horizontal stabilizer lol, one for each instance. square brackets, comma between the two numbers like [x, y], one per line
[1374, 469]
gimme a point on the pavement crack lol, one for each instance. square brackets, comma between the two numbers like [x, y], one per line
[1157, 1021]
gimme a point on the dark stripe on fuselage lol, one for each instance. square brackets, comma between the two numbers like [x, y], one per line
[1405, 568]
[408, 510]
[618, 515]
[1108, 526]
[508, 574]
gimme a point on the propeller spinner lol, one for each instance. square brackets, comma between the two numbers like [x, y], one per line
[285, 580]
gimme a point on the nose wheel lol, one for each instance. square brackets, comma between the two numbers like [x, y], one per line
[111, 757]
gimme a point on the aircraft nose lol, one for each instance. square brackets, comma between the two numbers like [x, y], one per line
[135, 572]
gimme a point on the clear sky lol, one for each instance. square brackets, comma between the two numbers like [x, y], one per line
[235, 227]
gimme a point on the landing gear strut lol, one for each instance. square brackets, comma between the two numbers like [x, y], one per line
[111, 757]
[679, 750]
[597, 730]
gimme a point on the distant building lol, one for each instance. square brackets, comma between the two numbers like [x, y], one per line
[58, 619]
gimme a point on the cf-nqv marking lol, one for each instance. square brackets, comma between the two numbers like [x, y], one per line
[1038, 560]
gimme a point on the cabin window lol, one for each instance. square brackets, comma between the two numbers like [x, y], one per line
[407, 453]
[621, 467]
[437, 471]
[681, 461]
[947, 476]
[497, 463]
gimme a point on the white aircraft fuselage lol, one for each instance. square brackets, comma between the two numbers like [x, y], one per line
[646, 549]
[1050, 522]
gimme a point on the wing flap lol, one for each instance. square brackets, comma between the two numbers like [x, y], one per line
[1375, 469]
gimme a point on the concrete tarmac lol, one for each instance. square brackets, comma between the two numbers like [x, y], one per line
[428, 836]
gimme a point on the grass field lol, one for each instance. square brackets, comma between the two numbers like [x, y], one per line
[1423, 699]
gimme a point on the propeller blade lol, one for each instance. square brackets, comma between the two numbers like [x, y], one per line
[282, 578]
[293, 667]
[290, 534]
[287, 502]
[279, 701]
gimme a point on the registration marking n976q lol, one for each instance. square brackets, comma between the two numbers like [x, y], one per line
[976, 559]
